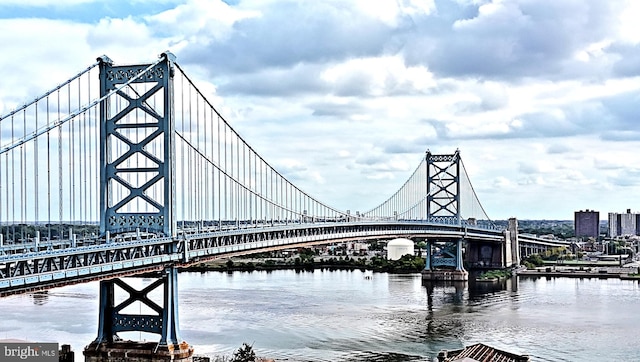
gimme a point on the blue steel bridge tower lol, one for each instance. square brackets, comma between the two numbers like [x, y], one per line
[444, 259]
[137, 163]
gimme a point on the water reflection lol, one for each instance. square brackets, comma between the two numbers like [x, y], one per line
[40, 298]
[364, 316]
[453, 291]
[479, 289]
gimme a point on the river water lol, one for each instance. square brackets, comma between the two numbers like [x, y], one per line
[362, 316]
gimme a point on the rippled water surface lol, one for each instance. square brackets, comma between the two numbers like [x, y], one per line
[363, 316]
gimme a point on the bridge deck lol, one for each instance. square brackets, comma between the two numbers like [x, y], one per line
[49, 266]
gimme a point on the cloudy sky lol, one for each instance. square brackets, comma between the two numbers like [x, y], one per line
[344, 97]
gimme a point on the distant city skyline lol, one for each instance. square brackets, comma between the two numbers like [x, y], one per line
[344, 98]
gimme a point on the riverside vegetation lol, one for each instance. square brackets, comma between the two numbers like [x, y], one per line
[242, 354]
[308, 260]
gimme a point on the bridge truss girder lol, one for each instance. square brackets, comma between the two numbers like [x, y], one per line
[21, 273]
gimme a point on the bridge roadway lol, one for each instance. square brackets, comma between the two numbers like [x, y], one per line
[39, 265]
[531, 244]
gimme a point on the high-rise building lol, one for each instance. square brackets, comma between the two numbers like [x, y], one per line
[587, 223]
[624, 224]
[613, 225]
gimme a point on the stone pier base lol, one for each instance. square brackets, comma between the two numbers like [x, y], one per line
[130, 351]
[447, 275]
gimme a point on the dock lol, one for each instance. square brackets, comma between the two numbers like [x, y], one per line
[607, 272]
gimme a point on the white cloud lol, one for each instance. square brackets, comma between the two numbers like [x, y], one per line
[379, 76]
[200, 21]
[390, 11]
[32, 64]
[41, 3]
[628, 25]
[345, 97]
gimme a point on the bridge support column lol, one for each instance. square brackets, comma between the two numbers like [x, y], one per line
[507, 253]
[513, 239]
[427, 258]
[447, 264]
[109, 347]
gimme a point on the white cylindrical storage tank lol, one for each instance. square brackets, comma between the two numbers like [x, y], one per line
[396, 248]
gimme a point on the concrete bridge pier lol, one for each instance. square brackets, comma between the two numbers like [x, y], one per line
[512, 240]
[445, 262]
[109, 347]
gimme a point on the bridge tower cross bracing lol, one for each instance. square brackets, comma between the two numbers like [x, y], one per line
[137, 151]
[443, 188]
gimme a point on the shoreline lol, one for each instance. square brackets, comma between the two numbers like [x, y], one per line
[351, 264]
[406, 264]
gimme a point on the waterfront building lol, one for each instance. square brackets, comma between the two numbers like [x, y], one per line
[587, 223]
[626, 224]
[397, 248]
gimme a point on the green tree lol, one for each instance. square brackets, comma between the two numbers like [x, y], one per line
[244, 354]
[533, 261]
[421, 245]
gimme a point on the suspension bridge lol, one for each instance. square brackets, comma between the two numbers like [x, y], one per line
[125, 170]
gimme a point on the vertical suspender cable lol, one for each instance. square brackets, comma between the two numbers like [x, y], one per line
[82, 154]
[219, 179]
[90, 191]
[23, 177]
[183, 193]
[201, 191]
[193, 202]
[13, 181]
[82, 177]
[213, 168]
[35, 173]
[1, 183]
[71, 146]
[196, 168]
[255, 187]
[204, 168]
[60, 193]
[237, 179]
[48, 175]
[190, 200]
[226, 193]
[245, 186]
